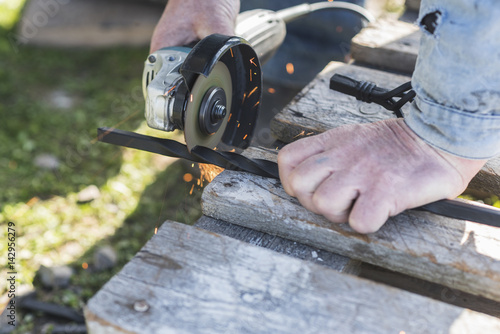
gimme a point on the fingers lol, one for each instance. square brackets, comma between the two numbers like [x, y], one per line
[367, 173]
[294, 154]
[335, 196]
[303, 180]
[369, 212]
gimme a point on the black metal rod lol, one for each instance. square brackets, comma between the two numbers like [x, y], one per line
[484, 214]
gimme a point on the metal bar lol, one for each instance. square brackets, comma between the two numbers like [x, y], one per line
[484, 214]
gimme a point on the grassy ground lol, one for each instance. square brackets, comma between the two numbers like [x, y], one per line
[51, 103]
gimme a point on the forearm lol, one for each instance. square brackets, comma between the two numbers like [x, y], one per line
[457, 78]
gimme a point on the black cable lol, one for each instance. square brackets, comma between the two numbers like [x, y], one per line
[370, 93]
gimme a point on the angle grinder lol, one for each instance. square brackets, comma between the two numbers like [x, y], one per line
[212, 91]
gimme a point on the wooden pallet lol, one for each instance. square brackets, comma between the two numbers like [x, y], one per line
[454, 253]
[264, 264]
[388, 44]
[188, 280]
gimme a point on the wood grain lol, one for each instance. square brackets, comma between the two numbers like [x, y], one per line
[187, 280]
[389, 44]
[284, 246]
[455, 253]
[318, 108]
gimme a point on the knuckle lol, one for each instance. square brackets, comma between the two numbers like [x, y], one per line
[295, 184]
[284, 156]
[324, 206]
[321, 204]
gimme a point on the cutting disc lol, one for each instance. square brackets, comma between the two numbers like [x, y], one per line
[218, 77]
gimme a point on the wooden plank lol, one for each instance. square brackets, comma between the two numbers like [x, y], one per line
[455, 253]
[284, 246]
[389, 44]
[187, 280]
[487, 181]
[317, 108]
[429, 289]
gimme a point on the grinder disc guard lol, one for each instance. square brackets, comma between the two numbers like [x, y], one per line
[221, 66]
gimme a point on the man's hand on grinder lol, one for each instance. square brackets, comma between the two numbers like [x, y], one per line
[185, 21]
[364, 174]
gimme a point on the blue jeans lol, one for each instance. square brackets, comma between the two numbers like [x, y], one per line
[457, 78]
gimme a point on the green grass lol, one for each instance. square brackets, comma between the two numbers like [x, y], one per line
[138, 190]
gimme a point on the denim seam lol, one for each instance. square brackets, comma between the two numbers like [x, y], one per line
[459, 112]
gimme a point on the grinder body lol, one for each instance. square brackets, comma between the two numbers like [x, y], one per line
[173, 92]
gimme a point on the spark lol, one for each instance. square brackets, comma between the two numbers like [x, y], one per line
[156, 229]
[191, 191]
[252, 62]
[187, 177]
[232, 55]
[96, 139]
[238, 125]
[229, 118]
[208, 172]
[250, 74]
[168, 92]
[191, 98]
[289, 68]
[271, 90]
[85, 265]
[244, 97]
[300, 134]
[255, 105]
[253, 91]
[245, 137]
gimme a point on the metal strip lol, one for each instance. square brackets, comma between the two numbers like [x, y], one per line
[484, 214]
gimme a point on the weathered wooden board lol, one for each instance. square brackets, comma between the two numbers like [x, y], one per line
[187, 280]
[455, 253]
[388, 44]
[318, 108]
[284, 246]
[429, 289]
